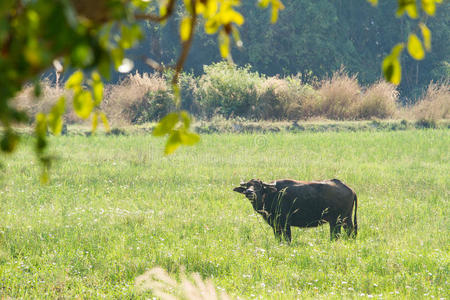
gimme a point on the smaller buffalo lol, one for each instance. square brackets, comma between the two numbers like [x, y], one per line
[285, 203]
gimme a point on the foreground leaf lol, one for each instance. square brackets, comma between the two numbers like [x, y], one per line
[185, 28]
[166, 125]
[94, 122]
[105, 121]
[224, 44]
[83, 104]
[429, 6]
[9, 141]
[173, 142]
[189, 138]
[409, 6]
[426, 34]
[391, 67]
[97, 88]
[415, 48]
[55, 117]
[75, 80]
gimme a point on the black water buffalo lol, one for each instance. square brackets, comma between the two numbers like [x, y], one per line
[285, 203]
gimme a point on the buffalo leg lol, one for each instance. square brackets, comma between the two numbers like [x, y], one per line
[277, 231]
[348, 225]
[335, 229]
[287, 233]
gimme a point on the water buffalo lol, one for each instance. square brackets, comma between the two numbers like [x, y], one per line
[285, 203]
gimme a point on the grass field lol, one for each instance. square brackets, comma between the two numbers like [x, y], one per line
[116, 207]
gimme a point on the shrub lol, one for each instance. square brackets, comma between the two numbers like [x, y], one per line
[339, 96]
[426, 123]
[274, 95]
[138, 99]
[378, 101]
[50, 93]
[287, 98]
[228, 90]
[435, 103]
[152, 107]
[310, 102]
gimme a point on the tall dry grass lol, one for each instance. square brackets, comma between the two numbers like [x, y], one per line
[167, 287]
[276, 100]
[435, 103]
[238, 92]
[379, 100]
[339, 96]
[27, 101]
[138, 98]
[286, 99]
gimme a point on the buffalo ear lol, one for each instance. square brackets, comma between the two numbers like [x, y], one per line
[239, 189]
[271, 187]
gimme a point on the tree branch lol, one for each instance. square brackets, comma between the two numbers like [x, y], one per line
[186, 45]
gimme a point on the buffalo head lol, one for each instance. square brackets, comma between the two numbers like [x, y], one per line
[256, 190]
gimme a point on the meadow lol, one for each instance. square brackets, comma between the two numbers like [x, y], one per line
[116, 207]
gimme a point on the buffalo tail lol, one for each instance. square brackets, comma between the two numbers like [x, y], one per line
[355, 221]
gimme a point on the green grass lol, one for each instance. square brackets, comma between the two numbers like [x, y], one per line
[116, 207]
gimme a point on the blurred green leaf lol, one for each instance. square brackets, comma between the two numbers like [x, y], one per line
[9, 141]
[94, 122]
[429, 6]
[176, 94]
[37, 89]
[82, 55]
[426, 34]
[129, 36]
[45, 178]
[97, 88]
[185, 118]
[104, 66]
[105, 121]
[176, 125]
[212, 25]
[55, 117]
[276, 7]
[189, 138]
[224, 44]
[166, 125]
[185, 28]
[117, 55]
[75, 80]
[33, 52]
[41, 133]
[41, 125]
[83, 104]
[263, 3]
[415, 48]
[173, 142]
[236, 36]
[409, 6]
[391, 67]
[5, 6]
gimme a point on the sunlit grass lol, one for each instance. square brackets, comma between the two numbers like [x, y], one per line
[116, 207]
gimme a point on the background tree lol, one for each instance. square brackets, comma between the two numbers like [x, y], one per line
[315, 38]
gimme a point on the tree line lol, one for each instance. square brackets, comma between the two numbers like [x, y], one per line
[314, 39]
